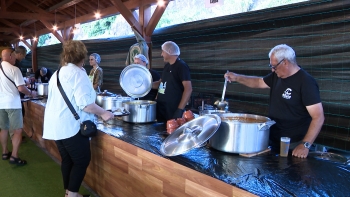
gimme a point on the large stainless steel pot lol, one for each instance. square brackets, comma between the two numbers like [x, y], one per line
[100, 96]
[242, 133]
[141, 111]
[109, 103]
[212, 111]
[42, 89]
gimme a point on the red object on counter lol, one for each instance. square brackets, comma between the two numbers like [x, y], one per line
[172, 124]
[170, 131]
[181, 121]
[188, 115]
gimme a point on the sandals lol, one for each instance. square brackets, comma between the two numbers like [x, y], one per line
[6, 156]
[18, 161]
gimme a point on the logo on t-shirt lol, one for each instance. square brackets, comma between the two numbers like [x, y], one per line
[162, 88]
[287, 93]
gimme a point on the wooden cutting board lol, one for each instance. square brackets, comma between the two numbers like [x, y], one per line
[254, 154]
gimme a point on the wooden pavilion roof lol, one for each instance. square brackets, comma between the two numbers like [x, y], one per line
[31, 18]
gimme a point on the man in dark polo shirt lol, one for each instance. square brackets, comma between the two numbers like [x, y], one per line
[43, 75]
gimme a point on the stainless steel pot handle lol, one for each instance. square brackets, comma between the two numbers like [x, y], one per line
[190, 134]
[144, 106]
[193, 130]
[267, 124]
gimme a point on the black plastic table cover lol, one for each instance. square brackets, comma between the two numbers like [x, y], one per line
[267, 174]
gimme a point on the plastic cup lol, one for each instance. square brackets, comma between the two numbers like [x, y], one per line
[284, 148]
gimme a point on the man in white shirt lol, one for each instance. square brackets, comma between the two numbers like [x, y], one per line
[11, 119]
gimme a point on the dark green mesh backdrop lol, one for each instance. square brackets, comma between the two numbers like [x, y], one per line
[317, 30]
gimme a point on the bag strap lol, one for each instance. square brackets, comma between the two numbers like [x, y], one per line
[7, 76]
[70, 106]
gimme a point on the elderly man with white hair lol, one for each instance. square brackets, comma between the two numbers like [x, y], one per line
[175, 86]
[295, 102]
[142, 60]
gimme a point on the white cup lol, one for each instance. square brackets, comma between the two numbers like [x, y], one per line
[285, 141]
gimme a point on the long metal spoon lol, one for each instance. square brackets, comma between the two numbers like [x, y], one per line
[224, 90]
[222, 104]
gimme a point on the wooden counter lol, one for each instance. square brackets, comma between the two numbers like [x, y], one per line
[121, 169]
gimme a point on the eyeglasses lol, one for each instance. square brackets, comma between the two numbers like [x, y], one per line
[275, 67]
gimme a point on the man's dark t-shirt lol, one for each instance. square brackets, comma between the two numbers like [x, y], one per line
[45, 78]
[288, 100]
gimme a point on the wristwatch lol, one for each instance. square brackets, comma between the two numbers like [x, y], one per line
[307, 145]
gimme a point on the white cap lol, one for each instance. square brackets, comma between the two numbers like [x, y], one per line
[171, 48]
[142, 58]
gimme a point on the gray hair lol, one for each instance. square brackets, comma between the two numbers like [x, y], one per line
[43, 70]
[21, 50]
[97, 57]
[171, 48]
[283, 51]
[142, 58]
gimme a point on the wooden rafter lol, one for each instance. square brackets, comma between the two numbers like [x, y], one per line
[129, 17]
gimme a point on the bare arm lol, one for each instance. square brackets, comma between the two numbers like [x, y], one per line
[95, 109]
[317, 115]
[95, 86]
[155, 84]
[186, 94]
[250, 81]
[24, 90]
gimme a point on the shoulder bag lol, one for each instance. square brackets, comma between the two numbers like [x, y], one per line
[87, 128]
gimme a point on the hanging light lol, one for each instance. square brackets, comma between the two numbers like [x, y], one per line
[35, 38]
[75, 30]
[21, 36]
[75, 19]
[161, 3]
[55, 25]
[97, 13]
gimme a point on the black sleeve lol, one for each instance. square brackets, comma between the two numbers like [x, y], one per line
[155, 75]
[268, 79]
[49, 74]
[37, 74]
[310, 91]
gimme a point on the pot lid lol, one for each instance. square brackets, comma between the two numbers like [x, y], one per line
[105, 93]
[136, 80]
[190, 135]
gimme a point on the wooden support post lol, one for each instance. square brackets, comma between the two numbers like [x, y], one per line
[34, 55]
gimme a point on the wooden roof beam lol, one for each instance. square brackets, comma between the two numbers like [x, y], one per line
[157, 14]
[63, 4]
[126, 13]
[34, 8]
[23, 16]
[49, 26]
[3, 38]
[104, 12]
[8, 23]
[13, 29]
[3, 6]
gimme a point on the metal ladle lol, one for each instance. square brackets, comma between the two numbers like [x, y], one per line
[222, 104]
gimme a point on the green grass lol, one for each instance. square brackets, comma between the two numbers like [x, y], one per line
[41, 177]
